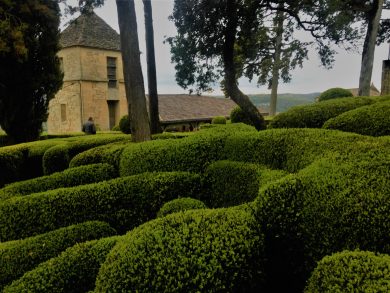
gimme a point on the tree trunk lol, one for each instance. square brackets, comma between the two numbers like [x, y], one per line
[231, 87]
[369, 48]
[151, 65]
[276, 66]
[134, 82]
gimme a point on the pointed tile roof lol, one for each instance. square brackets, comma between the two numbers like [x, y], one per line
[89, 30]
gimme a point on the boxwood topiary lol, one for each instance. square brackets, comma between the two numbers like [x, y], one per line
[351, 272]
[196, 251]
[191, 154]
[20, 256]
[58, 157]
[68, 178]
[334, 93]
[180, 205]
[371, 120]
[108, 153]
[287, 149]
[124, 124]
[315, 115]
[74, 270]
[237, 115]
[231, 183]
[124, 203]
[218, 120]
[339, 202]
[11, 162]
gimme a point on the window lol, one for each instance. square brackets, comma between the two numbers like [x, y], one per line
[61, 64]
[111, 72]
[63, 112]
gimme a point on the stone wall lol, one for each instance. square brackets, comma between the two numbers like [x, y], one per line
[65, 109]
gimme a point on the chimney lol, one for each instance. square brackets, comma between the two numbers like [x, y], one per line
[385, 90]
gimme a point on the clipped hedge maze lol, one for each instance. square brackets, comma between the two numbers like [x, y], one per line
[283, 205]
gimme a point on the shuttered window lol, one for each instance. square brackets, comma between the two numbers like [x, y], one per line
[111, 71]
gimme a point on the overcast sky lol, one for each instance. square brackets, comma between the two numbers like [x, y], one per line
[311, 78]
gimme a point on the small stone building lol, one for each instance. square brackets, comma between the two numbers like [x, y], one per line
[93, 77]
[94, 85]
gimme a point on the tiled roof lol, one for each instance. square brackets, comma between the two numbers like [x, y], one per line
[183, 108]
[89, 30]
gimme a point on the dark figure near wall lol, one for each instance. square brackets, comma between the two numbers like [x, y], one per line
[89, 126]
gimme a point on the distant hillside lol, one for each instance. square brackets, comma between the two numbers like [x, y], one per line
[285, 101]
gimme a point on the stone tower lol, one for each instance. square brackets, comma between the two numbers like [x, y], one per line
[93, 77]
[385, 90]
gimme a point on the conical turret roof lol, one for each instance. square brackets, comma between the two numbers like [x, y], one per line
[89, 30]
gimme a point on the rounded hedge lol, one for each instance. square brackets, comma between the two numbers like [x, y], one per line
[124, 124]
[339, 202]
[195, 251]
[351, 272]
[11, 163]
[232, 183]
[180, 205]
[109, 153]
[124, 203]
[74, 270]
[237, 115]
[18, 257]
[287, 149]
[58, 157]
[23, 161]
[371, 120]
[334, 93]
[193, 154]
[316, 114]
[218, 120]
[68, 178]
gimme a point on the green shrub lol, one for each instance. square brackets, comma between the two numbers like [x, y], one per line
[206, 126]
[218, 120]
[170, 135]
[287, 149]
[74, 270]
[191, 154]
[18, 257]
[68, 178]
[108, 153]
[116, 128]
[334, 93]
[23, 161]
[124, 124]
[180, 205]
[11, 162]
[232, 183]
[371, 120]
[124, 203]
[238, 116]
[195, 251]
[58, 157]
[339, 202]
[315, 115]
[351, 272]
